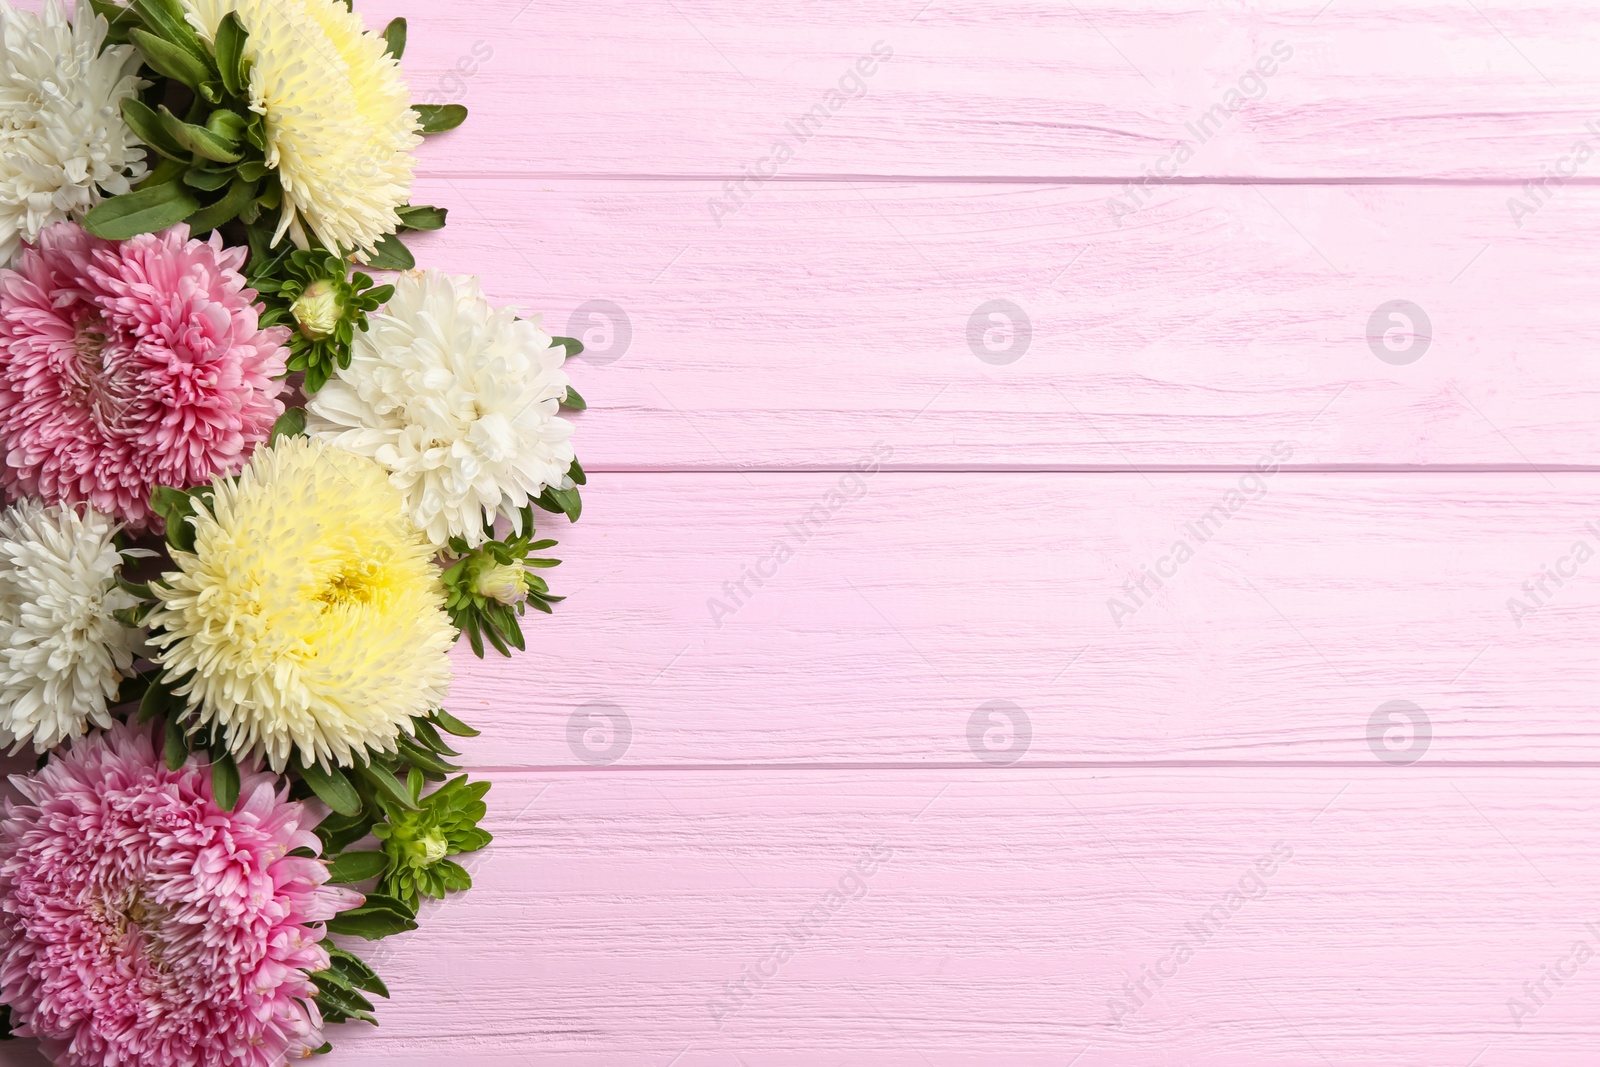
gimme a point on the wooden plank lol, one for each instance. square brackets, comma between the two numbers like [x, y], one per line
[1381, 917]
[1092, 88]
[825, 317]
[880, 613]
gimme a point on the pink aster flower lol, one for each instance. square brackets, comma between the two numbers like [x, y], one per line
[130, 364]
[143, 925]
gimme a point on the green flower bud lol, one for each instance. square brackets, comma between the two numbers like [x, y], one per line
[319, 309]
[432, 846]
[503, 582]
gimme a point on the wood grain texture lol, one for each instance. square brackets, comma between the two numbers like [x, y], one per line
[686, 769]
[1372, 88]
[824, 317]
[892, 606]
[986, 918]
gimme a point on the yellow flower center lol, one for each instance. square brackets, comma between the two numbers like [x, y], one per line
[357, 581]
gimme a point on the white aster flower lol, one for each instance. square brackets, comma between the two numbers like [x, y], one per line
[62, 139]
[62, 654]
[457, 400]
[340, 128]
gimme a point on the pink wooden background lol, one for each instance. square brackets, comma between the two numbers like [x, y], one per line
[789, 824]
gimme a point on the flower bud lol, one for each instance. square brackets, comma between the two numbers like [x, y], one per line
[503, 582]
[318, 309]
[434, 847]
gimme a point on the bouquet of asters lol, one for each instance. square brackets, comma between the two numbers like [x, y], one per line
[253, 497]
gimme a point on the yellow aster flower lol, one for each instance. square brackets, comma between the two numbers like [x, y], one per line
[339, 123]
[310, 611]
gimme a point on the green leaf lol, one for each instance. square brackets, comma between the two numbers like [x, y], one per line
[571, 344]
[384, 902]
[172, 60]
[383, 779]
[292, 423]
[358, 866]
[333, 788]
[157, 701]
[452, 725]
[562, 502]
[390, 253]
[226, 124]
[316, 377]
[372, 925]
[430, 737]
[235, 200]
[149, 208]
[455, 876]
[573, 401]
[474, 633]
[207, 181]
[336, 1000]
[394, 37]
[256, 132]
[332, 978]
[470, 840]
[171, 504]
[175, 506]
[177, 744]
[575, 472]
[422, 217]
[509, 626]
[379, 917]
[119, 20]
[146, 124]
[355, 970]
[339, 832]
[202, 142]
[167, 170]
[437, 118]
[225, 781]
[229, 45]
[418, 756]
[165, 19]
[492, 632]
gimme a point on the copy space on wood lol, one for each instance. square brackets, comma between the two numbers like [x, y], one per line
[866, 618]
[973, 917]
[1369, 88]
[825, 317]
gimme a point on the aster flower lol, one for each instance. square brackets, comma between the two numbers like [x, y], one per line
[339, 125]
[62, 652]
[309, 617]
[128, 365]
[458, 401]
[62, 138]
[140, 923]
